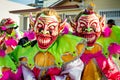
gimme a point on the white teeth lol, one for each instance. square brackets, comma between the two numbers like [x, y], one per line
[44, 41]
[47, 41]
[91, 39]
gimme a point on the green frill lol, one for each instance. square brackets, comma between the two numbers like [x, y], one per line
[65, 43]
[7, 62]
[113, 38]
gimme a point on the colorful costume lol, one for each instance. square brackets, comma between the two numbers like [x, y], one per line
[45, 62]
[10, 40]
[89, 25]
[49, 57]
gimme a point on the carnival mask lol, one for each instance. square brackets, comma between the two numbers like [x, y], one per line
[89, 27]
[47, 29]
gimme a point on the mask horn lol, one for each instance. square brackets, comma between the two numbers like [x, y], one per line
[62, 25]
[32, 21]
[72, 23]
[102, 22]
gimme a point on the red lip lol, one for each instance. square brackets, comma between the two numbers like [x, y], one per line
[91, 38]
[44, 41]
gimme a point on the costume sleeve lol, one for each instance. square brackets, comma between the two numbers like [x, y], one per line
[108, 67]
[110, 70]
[73, 70]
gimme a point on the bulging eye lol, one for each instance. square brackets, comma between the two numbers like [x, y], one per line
[83, 28]
[39, 25]
[93, 28]
[94, 24]
[82, 25]
[40, 29]
[52, 27]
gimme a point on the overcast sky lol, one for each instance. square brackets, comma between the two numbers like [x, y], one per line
[24, 1]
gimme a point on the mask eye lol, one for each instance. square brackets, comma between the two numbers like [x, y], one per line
[40, 29]
[82, 25]
[93, 28]
[94, 24]
[39, 25]
[52, 27]
[83, 28]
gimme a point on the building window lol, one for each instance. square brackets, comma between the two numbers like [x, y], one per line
[110, 13]
[25, 23]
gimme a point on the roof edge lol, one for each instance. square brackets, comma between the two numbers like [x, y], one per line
[37, 9]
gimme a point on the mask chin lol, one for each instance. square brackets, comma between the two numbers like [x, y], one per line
[90, 44]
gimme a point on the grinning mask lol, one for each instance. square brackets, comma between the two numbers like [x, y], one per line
[89, 25]
[47, 28]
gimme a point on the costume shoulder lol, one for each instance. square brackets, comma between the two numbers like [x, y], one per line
[6, 61]
[28, 52]
[66, 43]
[113, 38]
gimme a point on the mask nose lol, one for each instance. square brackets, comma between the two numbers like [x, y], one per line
[88, 29]
[45, 31]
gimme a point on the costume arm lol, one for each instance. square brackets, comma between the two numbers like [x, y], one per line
[73, 70]
[108, 67]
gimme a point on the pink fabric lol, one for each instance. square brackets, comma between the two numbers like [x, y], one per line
[9, 75]
[115, 76]
[6, 75]
[87, 57]
[114, 48]
[107, 32]
[54, 71]
[3, 28]
[51, 72]
[65, 30]
[110, 70]
[2, 53]
[36, 72]
[11, 42]
[30, 35]
[107, 66]
[52, 77]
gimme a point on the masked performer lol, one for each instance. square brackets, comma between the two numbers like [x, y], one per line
[8, 42]
[51, 56]
[110, 36]
[8, 26]
[89, 25]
